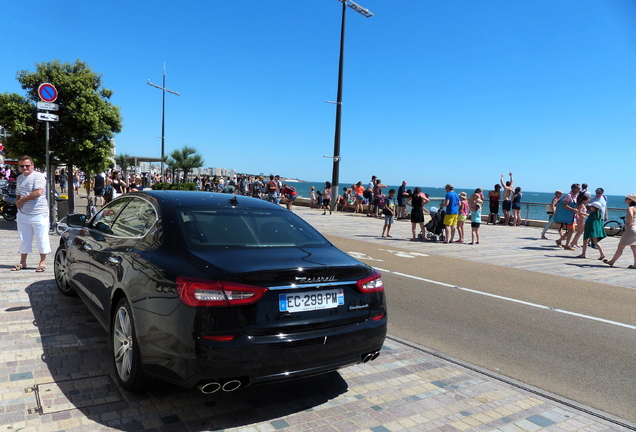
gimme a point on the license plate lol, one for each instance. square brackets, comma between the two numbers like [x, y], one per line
[309, 301]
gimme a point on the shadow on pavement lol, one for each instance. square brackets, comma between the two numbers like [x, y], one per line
[77, 352]
[587, 263]
[540, 248]
[6, 225]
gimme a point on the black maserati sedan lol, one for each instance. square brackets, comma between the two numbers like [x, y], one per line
[219, 291]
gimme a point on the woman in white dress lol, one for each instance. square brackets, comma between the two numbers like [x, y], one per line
[629, 236]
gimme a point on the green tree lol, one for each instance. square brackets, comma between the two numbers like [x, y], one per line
[184, 160]
[88, 120]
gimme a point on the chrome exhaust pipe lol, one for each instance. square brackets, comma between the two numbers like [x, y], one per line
[232, 385]
[209, 387]
[371, 356]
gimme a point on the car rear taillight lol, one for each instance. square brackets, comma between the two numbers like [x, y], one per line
[371, 283]
[197, 292]
[219, 338]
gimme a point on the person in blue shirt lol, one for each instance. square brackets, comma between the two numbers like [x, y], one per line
[452, 209]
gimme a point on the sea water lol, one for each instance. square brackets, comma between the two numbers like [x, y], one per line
[536, 210]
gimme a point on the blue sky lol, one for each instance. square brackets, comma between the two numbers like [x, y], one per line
[435, 91]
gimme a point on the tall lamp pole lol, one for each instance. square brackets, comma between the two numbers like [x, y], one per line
[163, 115]
[335, 179]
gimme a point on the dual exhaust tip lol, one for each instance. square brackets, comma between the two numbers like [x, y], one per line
[210, 387]
[371, 356]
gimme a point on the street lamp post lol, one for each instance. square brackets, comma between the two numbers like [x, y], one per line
[163, 115]
[335, 179]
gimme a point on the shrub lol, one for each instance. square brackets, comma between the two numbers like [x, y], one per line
[175, 186]
[161, 186]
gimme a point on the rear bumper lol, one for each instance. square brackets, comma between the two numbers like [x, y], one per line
[265, 359]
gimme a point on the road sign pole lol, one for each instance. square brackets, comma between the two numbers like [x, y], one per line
[48, 94]
[50, 181]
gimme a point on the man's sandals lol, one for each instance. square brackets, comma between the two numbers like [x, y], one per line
[19, 267]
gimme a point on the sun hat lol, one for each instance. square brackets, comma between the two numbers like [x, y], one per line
[631, 197]
[462, 194]
[596, 204]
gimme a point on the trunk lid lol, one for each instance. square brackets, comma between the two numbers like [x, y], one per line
[309, 288]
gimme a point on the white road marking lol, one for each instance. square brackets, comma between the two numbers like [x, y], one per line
[404, 254]
[525, 303]
[363, 256]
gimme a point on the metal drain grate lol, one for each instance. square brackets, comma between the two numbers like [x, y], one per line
[74, 394]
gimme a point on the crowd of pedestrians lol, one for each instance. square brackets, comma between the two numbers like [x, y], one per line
[372, 200]
[578, 215]
[580, 218]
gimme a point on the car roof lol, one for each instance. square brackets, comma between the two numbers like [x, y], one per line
[176, 198]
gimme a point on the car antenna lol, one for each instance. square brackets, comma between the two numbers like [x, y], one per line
[233, 201]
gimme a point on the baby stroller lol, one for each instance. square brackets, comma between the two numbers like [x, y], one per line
[435, 227]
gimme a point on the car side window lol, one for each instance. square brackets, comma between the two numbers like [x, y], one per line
[135, 220]
[104, 220]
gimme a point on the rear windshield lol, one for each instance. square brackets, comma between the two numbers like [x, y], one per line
[246, 228]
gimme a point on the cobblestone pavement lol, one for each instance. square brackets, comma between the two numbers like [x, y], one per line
[56, 375]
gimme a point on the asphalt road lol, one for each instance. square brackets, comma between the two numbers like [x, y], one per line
[572, 338]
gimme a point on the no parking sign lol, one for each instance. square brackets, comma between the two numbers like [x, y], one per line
[47, 92]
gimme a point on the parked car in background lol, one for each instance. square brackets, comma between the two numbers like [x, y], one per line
[217, 291]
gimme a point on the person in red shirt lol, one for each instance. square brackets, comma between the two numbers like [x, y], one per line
[290, 194]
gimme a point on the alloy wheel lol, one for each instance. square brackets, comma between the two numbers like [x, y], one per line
[123, 343]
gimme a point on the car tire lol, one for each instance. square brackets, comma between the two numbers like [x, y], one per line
[9, 212]
[126, 353]
[60, 270]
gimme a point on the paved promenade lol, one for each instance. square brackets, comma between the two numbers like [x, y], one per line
[56, 372]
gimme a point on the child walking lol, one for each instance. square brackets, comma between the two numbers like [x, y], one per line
[326, 198]
[594, 229]
[580, 218]
[475, 221]
[390, 205]
[462, 216]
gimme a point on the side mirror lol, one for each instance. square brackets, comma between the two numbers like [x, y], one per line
[76, 220]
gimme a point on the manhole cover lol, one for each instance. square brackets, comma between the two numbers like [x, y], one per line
[74, 394]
